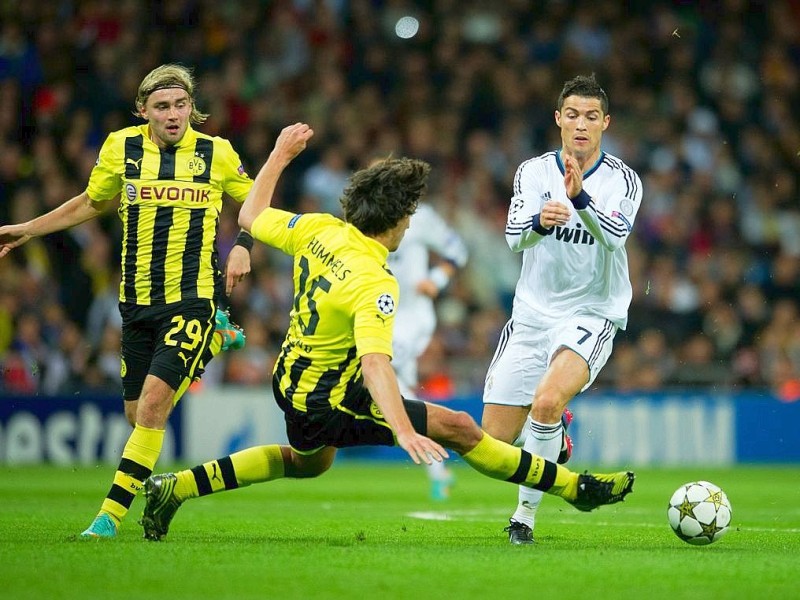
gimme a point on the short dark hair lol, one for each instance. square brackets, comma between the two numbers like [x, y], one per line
[378, 197]
[585, 86]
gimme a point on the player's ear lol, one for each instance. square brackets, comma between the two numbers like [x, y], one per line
[606, 121]
[557, 117]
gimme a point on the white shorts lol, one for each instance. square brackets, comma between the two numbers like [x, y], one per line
[524, 353]
[411, 338]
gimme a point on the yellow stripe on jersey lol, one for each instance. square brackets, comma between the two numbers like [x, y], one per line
[170, 201]
[344, 305]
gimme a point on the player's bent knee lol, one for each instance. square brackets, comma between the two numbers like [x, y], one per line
[301, 466]
[460, 431]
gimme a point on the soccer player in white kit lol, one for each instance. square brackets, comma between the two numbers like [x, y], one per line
[415, 320]
[571, 212]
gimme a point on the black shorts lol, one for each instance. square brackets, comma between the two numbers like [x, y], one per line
[170, 341]
[356, 422]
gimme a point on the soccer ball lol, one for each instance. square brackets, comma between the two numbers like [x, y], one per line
[699, 513]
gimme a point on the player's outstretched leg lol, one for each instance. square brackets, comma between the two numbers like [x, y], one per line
[160, 507]
[233, 337]
[600, 489]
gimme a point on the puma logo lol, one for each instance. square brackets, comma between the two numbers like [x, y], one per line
[184, 358]
[135, 163]
[215, 476]
[381, 319]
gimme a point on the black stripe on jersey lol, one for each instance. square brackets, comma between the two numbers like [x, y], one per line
[228, 474]
[166, 170]
[204, 149]
[201, 479]
[131, 245]
[161, 229]
[548, 477]
[191, 255]
[611, 226]
[521, 474]
[632, 185]
[280, 368]
[518, 176]
[134, 152]
[134, 469]
[518, 228]
[319, 398]
[296, 371]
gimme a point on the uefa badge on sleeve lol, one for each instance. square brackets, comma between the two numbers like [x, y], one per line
[386, 304]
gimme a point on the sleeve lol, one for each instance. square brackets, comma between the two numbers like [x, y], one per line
[280, 229]
[236, 182]
[523, 229]
[443, 239]
[105, 180]
[610, 219]
[375, 309]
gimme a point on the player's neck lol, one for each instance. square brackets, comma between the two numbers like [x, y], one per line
[584, 162]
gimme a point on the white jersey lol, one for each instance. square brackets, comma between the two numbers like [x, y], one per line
[415, 319]
[581, 267]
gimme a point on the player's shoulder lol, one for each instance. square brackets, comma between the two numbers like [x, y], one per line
[217, 140]
[126, 132]
[615, 163]
[538, 163]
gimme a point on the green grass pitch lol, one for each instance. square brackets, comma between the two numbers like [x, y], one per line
[368, 530]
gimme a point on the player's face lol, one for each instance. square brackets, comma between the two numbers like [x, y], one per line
[396, 234]
[582, 124]
[168, 111]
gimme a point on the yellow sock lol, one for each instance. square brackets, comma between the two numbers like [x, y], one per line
[503, 461]
[253, 465]
[138, 459]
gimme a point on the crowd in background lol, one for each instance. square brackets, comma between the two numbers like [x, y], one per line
[702, 96]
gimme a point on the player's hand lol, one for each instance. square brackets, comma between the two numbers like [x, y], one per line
[421, 449]
[554, 213]
[573, 176]
[12, 236]
[237, 267]
[292, 141]
[428, 288]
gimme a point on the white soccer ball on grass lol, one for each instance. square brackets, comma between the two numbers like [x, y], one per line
[699, 513]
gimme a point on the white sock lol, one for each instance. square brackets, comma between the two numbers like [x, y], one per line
[545, 440]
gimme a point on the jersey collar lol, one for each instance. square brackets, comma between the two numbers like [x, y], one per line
[591, 170]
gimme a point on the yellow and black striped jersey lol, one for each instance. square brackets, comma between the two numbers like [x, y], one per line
[344, 305]
[170, 201]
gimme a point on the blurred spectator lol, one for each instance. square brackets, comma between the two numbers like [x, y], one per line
[703, 110]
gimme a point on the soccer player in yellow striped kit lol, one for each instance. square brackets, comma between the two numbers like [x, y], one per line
[333, 378]
[169, 180]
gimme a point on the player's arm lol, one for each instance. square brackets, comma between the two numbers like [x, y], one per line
[237, 265]
[380, 380]
[445, 241]
[529, 220]
[612, 224]
[291, 141]
[73, 212]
